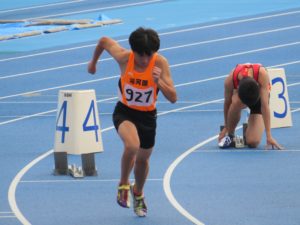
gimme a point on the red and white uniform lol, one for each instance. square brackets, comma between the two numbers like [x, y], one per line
[243, 70]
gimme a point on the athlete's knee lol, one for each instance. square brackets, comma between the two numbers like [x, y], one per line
[252, 138]
[131, 146]
[142, 160]
[253, 143]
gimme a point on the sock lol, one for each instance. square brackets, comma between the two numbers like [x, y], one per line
[138, 194]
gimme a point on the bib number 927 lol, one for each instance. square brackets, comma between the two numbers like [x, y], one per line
[139, 97]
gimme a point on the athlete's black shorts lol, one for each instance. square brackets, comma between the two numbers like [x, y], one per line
[145, 123]
[255, 109]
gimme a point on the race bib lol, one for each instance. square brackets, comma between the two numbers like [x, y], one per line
[139, 97]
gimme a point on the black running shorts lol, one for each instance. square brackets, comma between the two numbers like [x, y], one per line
[145, 123]
[256, 108]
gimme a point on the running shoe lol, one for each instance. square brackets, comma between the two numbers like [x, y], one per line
[139, 205]
[123, 197]
[227, 142]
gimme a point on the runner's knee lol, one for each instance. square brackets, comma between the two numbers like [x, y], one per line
[253, 143]
[131, 146]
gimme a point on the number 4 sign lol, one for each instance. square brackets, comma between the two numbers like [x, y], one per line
[279, 99]
[78, 124]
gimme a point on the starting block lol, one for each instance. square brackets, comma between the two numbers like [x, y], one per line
[238, 141]
[75, 171]
[77, 132]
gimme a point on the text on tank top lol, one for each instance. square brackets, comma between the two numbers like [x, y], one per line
[138, 89]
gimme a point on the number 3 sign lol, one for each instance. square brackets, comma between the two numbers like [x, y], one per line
[279, 99]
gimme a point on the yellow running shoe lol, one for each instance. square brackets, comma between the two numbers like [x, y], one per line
[139, 204]
[123, 197]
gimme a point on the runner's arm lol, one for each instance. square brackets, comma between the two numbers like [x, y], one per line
[112, 47]
[162, 76]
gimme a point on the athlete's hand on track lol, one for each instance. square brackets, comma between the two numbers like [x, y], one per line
[272, 144]
[222, 134]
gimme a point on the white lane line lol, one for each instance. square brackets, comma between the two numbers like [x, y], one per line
[294, 84]
[59, 87]
[246, 151]
[4, 215]
[239, 53]
[27, 117]
[202, 81]
[46, 112]
[49, 115]
[13, 186]
[49, 69]
[235, 22]
[178, 85]
[164, 49]
[171, 66]
[178, 160]
[295, 110]
[198, 110]
[235, 37]
[41, 6]
[47, 53]
[191, 106]
[99, 96]
[81, 180]
[166, 179]
[110, 113]
[163, 34]
[147, 2]
[96, 9]
[30, 102]
[43, 70]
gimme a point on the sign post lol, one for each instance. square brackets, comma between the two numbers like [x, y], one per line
[279, 99]
[77, 131]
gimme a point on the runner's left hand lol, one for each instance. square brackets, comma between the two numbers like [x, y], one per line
[156, 73]
[272, 144]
